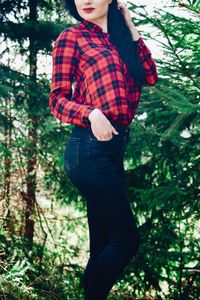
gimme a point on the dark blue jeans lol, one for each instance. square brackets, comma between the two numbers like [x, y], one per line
[96, 169]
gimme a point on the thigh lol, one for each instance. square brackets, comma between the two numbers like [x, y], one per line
[109, 191]
[93, 167]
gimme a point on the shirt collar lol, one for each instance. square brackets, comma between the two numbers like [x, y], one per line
[92, 27]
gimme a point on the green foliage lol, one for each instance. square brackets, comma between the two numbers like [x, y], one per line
[162, 165]
[42, 32]
[21, 276]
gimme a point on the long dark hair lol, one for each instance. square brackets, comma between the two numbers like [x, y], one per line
[120, 36]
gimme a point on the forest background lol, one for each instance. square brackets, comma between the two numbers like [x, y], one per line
[43, 226]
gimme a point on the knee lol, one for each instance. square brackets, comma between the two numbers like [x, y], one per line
[128, 244]
[134, 243]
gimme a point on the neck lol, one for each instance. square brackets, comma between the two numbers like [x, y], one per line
[102, 24]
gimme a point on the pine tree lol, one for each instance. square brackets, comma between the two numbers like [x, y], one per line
[162, 159]
[27, 31]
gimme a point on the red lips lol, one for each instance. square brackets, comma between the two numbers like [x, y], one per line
[89, 9]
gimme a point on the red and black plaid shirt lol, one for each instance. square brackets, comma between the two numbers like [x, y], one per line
[85, 54]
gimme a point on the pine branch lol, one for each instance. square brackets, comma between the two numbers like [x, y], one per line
[177, 56]
[170, 131]
[181, 106]
[182, 4]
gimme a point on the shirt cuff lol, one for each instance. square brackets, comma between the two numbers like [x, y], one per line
[85, 118]
[139, 43]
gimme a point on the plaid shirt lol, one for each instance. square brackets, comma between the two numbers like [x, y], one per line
[85, 54]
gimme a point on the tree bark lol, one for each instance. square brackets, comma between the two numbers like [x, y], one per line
[30, 197]
[7, 163]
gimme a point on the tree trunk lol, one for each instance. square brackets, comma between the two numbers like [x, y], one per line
[7, 173]
[30, 196]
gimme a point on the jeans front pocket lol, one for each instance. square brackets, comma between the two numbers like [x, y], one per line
[71, 155]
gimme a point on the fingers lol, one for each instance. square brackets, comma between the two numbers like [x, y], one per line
[106, 137]
[120, 4]
[102, 128]
[114, 130]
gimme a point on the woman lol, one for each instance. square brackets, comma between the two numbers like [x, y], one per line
[110, 63]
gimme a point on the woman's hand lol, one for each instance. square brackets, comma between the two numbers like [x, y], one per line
[127, 16]
[101, 126]
[125, 12]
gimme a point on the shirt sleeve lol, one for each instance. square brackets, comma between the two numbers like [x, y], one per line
[65, 58]
[147, 61]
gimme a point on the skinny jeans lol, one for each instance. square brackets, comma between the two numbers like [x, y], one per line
[96, 169]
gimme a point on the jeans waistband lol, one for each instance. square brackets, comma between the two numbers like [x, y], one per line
[122, 129]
